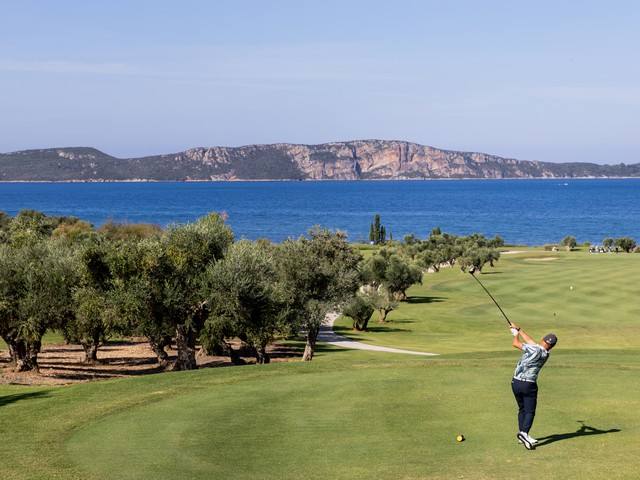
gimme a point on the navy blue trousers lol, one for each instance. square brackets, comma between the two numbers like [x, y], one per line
[526, 394]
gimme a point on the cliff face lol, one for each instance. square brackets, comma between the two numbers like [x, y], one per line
[364, 159]
[356, 160]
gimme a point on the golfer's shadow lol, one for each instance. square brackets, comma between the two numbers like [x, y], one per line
[583, 431]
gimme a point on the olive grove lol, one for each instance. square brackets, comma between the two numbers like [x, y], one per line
[191, 285]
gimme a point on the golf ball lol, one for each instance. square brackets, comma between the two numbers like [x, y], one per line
[460, 438]
[570, 288]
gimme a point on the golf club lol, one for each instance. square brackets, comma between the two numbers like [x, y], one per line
[472, 270]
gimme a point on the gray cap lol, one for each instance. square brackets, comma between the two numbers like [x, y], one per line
[550, 339]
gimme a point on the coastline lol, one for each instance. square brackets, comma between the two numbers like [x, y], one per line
[291, 180]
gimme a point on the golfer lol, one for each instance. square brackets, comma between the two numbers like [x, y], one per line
[523, 384]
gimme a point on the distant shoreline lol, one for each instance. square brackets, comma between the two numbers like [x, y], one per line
[393, 160]
[399, 180]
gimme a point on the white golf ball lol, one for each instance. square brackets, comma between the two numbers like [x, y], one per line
[571, 288]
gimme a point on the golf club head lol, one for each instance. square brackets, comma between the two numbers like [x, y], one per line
[472, 270]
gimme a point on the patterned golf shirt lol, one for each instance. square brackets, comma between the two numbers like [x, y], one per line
[533, 358]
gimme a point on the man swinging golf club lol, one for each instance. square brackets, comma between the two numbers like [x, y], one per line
[523, 384]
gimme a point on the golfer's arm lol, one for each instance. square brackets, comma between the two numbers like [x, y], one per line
[516, 337]
[525, 337]
[517, 343]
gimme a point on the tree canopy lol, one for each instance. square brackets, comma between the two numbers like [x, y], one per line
[194, 282]
[245, 299]
[318, 272]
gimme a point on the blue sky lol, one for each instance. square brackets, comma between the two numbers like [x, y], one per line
[553, 81]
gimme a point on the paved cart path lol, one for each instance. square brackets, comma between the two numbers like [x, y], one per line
[327, 335]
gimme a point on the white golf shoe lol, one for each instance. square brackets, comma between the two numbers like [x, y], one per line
[527, 441]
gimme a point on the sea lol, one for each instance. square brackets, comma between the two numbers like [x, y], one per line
[522, 212]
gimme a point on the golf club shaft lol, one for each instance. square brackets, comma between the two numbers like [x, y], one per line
[494, 300]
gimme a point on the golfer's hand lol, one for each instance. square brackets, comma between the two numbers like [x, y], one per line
[514, 326]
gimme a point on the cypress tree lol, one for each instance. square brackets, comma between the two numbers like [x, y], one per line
[376, 229]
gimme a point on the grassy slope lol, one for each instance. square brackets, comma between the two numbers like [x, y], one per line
[351, 415]
[534, 289]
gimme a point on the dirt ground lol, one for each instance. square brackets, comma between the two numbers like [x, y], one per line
[61, 364]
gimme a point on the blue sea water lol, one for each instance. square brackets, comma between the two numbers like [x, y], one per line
[528, 212]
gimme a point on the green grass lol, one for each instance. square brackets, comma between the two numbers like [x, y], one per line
[356, 415]
[450, 309]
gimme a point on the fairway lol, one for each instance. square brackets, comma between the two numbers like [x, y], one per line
[354, 415]
[572, 294]
[392, 419]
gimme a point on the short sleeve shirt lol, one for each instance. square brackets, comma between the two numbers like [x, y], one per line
[533, 358]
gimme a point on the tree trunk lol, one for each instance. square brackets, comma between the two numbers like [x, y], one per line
[310, 347]
[228, 350]
[16, 350]
[365, 324]
[262, 357]
[24, 356]
[90, 352]
[29, 362]
[185, 342]
[158, 345]
[360, 324]
[91, 348]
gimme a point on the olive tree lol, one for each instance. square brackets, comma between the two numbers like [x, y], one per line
[401, 274]
[5, 227]
[94, 317]
[128, 231]
[477, 257]
[244, 299]
[37, 278]
[75, 233]
[158, 284]
[43, 225]
[569, 242]
[387, 274]
[443, 249]
[625, 243]
[358, 309]
[11, 289]
[188, 250]
[138, 280]
[438, 250]
[318, 273]
[475, 251]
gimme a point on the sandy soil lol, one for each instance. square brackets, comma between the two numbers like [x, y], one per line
[61, 364]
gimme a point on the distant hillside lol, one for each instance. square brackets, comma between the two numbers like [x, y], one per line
[356, 160]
